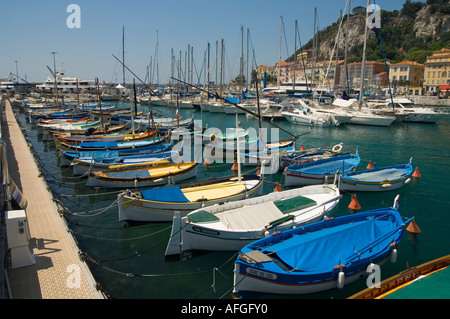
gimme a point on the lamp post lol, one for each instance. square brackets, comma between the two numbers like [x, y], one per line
[54, 75]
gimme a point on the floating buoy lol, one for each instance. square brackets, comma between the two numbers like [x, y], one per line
[302, 148]
[416, 173]
[277, 187]
[354, 204]
[235, 166]
[394, 256]
[413, 228]
[341, 280]
[369, 166]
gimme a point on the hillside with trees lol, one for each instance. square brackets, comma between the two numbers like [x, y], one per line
[412, 33]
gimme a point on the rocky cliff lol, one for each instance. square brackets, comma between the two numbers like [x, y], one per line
[413, 32]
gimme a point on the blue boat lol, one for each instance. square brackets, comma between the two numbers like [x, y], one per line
[377, 179]
[320, 171]
[68, 156]
[320, 256]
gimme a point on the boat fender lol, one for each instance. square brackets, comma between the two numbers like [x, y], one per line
[266, 233]
[407, 180]
[386, 185]
[337, 148]
[394, 254]
[341, 280]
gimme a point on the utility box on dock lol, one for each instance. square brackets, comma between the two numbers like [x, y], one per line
[18, 235]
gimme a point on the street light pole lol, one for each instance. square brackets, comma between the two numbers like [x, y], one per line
[54, 75]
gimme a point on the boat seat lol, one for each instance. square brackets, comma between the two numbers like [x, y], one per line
[294, 203]
[251, 217]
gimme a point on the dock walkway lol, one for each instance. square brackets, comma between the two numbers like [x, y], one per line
[58, 273]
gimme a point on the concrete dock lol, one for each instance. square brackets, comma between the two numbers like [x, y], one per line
[58, 273]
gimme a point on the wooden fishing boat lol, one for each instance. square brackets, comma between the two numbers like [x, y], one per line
[426, 281]
[308, 155]
[68, 156]
[320, 256]
[88, 164]
[377, 179]
[153, 175]
[231, 226]
[159, 204]
[126, 136]
[266, 156]
[111, 145]
[317, 172]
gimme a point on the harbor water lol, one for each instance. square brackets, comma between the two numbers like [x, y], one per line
[127, 260]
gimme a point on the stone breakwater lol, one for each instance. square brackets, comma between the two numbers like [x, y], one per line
[429, 100]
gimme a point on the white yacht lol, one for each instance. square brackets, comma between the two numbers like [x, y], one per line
[300, 88]
[405, 111]
[65, 84]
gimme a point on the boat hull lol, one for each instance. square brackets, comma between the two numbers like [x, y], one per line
[188, 235]
[377, 179]
[138, 209]
[136, 182]
[322, 256]
[320, 171]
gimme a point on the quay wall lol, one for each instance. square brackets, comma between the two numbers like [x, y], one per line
[428, 100]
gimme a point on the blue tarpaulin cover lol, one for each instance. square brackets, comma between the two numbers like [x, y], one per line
[165, 194]
[321, 250]
[99, 144]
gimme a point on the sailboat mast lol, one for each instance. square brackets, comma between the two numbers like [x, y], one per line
[295, 55]
[279, 60]
[346, 47]
[361, 89]
[123, 54]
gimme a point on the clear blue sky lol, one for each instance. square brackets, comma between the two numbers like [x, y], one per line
[31, 29]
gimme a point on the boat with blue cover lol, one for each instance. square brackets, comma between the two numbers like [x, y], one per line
[317, 172]
[111, 145]
[377, 179]
[159, 204]
[68, 156]
[320, 256]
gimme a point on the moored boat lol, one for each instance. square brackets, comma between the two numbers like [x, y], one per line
[153, 175]
[230, 226]
[317, 172]
[425, 281]
[377, 179]
[320, 256]
[159, 204]
[84, 165]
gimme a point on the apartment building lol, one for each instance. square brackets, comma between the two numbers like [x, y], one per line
[406, 76]
[437, 70]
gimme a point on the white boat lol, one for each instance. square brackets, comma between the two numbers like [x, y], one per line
[231, 226]
[65, 84]
[405, 111]
[159, 204]
[369, 118]
[307, 116]
[364, 116]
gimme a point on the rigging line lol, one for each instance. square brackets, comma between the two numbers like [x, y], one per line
[216, 95]
[121, 239]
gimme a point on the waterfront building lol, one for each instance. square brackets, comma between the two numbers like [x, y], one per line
[375, 75]
[407, 76]
[437, 70]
